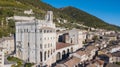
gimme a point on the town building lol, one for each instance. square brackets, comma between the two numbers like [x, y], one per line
[115, 57]
[8, 45]
[36, 41]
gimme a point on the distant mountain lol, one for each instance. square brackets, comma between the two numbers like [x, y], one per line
[68, 17]
[87, 19]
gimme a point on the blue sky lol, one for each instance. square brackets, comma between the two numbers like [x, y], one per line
[107, 10]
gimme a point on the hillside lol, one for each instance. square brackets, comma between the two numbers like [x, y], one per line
[87, 19]
[73, 16]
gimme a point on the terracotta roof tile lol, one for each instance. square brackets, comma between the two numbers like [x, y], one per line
[81, 52]
[71, 62]
[60, 45]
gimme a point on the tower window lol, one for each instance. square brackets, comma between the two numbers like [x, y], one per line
[41, 56]
[40, 31]
[44, 31]
[45, 55]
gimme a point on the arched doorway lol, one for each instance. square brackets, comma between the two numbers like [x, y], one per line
[68, 52]
[58, 56]
[63, 54]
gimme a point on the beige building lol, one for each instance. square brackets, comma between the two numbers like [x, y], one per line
[77, 37]
[7, 43]
[115, 57]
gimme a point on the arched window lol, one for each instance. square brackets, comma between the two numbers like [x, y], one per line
[45, 55]
[40, 31]
[63, 55]
[44, 31]
[68, 51]
[41, 56]
[58, 56]
[48, 53]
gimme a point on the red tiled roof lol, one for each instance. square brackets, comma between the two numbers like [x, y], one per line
[81, 52]
[60, 45]
[73, 61]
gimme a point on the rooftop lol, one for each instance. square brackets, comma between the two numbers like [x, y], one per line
[60, 45]
[71, 62]
[47, 28]
[117, 54]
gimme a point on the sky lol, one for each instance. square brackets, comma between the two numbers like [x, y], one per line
[107, 10]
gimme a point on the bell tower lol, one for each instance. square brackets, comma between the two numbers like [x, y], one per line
[49, 16]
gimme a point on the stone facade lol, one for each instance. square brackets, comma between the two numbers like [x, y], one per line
[36, 41]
